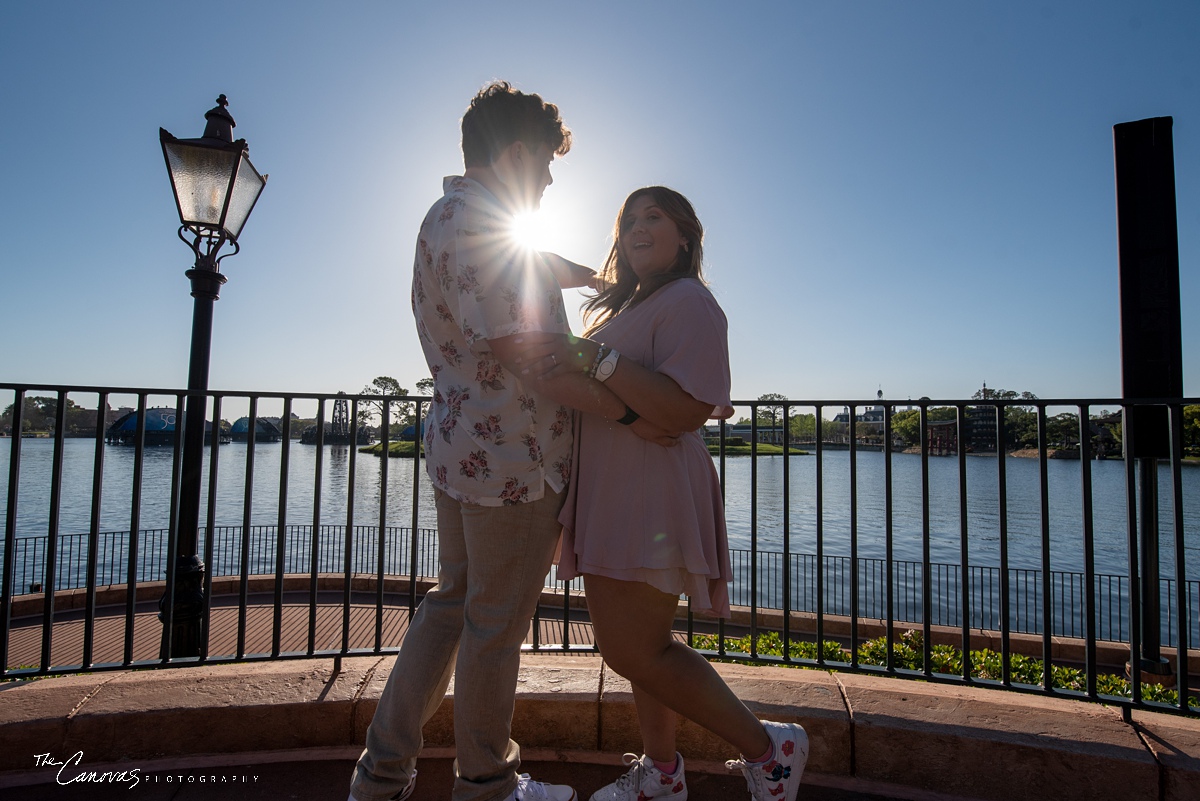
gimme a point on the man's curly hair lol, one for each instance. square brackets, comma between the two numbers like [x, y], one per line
[500, 115]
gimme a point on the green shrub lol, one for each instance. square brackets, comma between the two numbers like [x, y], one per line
[770, 643]
[908, 654]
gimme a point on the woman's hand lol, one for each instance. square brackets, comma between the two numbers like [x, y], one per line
[652, 433]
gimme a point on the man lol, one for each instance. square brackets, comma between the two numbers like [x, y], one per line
[498, 452]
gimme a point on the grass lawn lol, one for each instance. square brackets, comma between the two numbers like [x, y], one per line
[395, 449]
[764, 449]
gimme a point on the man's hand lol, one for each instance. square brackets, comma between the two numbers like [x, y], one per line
[545, 356]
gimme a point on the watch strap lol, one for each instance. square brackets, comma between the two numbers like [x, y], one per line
[630, 417]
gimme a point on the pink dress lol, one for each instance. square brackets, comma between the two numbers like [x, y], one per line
[637, 511]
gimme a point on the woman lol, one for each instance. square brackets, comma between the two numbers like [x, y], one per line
[644, 523]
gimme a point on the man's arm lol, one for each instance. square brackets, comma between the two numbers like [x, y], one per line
[569, 274]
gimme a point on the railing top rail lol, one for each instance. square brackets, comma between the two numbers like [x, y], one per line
[215, 393]
[803, 402]
[927, 403]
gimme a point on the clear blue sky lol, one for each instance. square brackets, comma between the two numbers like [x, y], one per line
[917, 196]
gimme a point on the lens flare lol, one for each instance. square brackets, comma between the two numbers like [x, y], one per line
[527, 230]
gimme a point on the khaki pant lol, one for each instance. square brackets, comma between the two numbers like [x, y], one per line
[493, 561]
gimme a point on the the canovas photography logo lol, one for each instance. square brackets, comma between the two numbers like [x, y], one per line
[71, 770]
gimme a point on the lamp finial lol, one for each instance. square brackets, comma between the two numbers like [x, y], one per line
[220, 122]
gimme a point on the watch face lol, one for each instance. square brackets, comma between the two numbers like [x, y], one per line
[606, 368]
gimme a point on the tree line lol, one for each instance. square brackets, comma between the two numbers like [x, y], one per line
[40, 415]
[1020, 423]
[1020, 420]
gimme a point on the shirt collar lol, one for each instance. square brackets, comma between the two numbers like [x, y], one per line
[463, 184]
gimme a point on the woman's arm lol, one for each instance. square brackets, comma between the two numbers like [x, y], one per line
[654, 396]
[657, 397]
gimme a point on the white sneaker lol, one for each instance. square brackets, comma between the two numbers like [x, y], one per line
[777, 779]
[529, 790]
[644, 781]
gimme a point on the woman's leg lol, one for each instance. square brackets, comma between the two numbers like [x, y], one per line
[632, 623]
[657, 723]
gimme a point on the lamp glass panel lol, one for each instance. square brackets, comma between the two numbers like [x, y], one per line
[246, 189]
[201, 176]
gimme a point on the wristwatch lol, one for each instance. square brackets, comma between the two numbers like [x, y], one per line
[607, 366]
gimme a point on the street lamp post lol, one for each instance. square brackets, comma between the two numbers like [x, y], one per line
[215, 188]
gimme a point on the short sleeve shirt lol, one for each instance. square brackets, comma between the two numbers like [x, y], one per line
[490, 439]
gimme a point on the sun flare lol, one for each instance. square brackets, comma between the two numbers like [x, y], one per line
[528, 230]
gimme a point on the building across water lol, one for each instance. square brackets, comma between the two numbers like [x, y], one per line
[159, 428]
[264, 430]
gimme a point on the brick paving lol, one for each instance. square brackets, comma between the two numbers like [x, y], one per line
[300, 630]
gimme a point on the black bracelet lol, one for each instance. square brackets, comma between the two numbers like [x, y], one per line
[630, 417]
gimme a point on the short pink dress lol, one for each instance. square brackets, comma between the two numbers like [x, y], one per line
[638, 511]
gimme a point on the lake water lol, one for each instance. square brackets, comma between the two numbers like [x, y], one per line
[1024, 512]
[78, 471]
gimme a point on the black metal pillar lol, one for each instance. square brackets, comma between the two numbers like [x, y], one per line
[1151, 335]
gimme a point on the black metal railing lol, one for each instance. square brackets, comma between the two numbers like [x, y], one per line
[1026, 603]
[113, 554]
[288, 511]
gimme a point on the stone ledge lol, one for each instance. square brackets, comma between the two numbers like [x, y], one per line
[993, 744]
[913, 737]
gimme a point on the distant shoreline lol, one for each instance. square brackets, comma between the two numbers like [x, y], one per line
[398, 450]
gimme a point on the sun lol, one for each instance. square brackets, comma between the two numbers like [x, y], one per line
[549, 229]
[528, 230]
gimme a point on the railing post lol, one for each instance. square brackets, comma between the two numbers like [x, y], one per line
[281, 527]
[10, 526]
[819, 498]
[418, 445]
[1183, 627]
[1151, 655]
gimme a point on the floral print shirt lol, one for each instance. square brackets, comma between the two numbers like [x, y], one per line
[489, 439]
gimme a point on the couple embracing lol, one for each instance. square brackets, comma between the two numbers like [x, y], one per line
[536, 437]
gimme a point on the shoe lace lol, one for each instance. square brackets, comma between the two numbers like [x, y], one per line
[753, 775]
[632, 780]
[527, 788]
